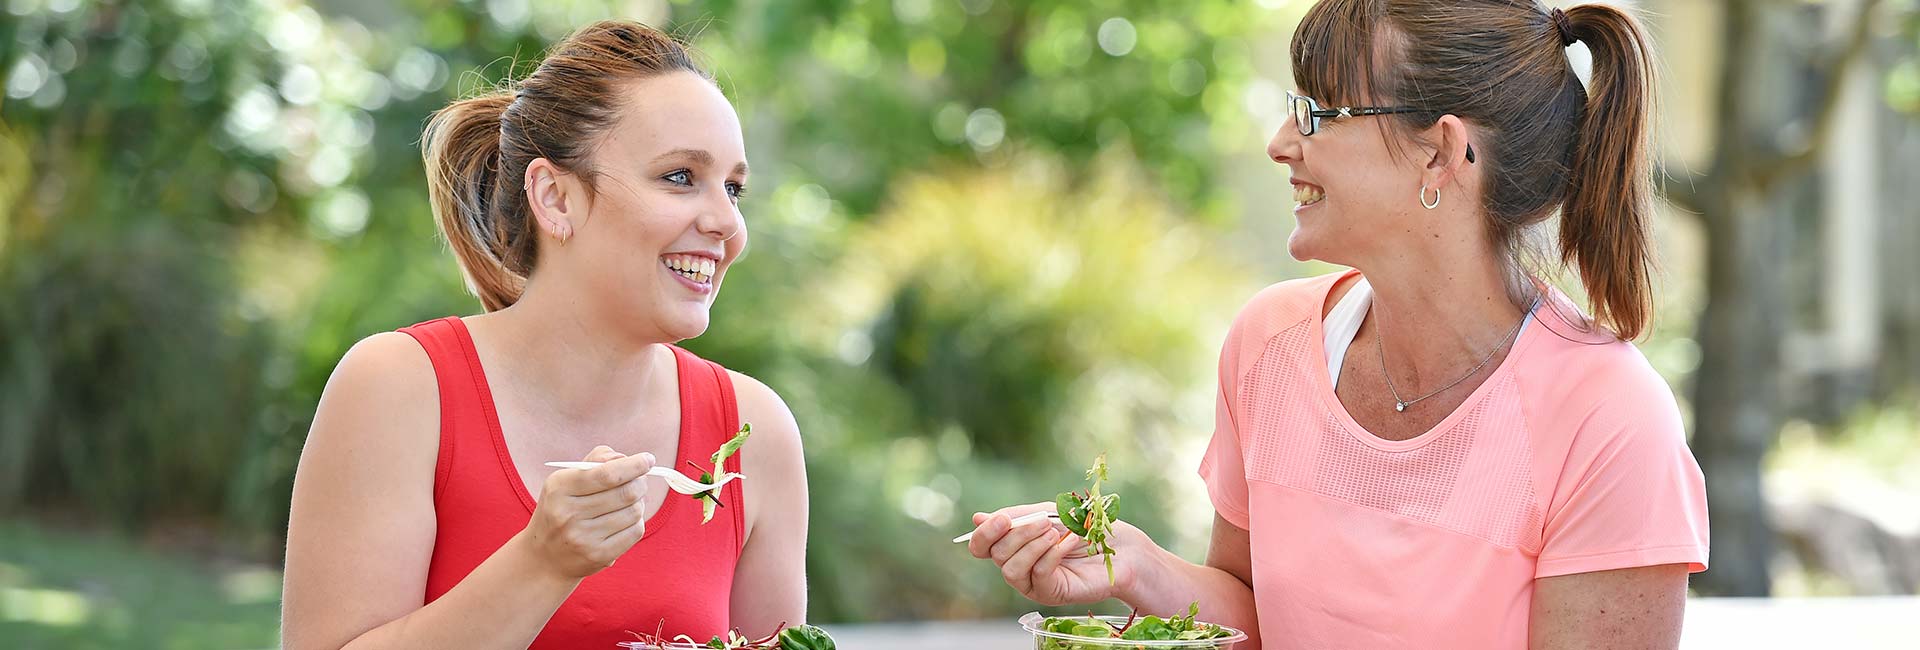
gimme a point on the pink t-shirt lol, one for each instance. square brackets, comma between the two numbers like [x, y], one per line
[1570, 458]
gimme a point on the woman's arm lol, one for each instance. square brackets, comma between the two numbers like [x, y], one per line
[362, 525]
[770, 583]
[1623, 608]
[1223, 586]
[1048, 565]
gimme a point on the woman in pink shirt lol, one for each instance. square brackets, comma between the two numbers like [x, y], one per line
[1437, 449]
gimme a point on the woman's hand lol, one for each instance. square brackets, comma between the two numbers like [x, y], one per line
[586, 518]
[1049, 565]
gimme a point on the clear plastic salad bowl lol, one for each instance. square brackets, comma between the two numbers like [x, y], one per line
[1034, 623]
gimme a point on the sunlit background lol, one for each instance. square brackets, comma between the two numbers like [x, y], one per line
[992, 238]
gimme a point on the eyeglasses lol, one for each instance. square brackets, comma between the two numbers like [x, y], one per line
[1307, 113]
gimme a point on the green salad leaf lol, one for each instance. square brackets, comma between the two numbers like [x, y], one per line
[1138, 628]
[805, 637]
[710, 499]
[1091, 515]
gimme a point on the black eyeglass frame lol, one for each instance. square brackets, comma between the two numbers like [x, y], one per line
[1316, 113]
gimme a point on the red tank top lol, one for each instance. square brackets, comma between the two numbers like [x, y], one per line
[680, 573]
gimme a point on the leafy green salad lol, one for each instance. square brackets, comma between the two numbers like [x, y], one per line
[1091, 514]
[1101, 634]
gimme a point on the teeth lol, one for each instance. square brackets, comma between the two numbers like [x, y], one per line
[1307, 194]
[698, 269]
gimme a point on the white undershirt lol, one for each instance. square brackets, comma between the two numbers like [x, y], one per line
[1343, 323]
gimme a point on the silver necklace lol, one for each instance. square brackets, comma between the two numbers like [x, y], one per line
[1400, 405]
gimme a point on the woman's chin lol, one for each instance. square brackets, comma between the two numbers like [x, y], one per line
[683, 326]
[1302, 246]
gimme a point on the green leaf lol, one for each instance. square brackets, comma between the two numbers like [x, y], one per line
[1143, 628]
[805, 637]
[1095, 631]
[727, 449]
[1072, 511]
[710, 499]
[1095, 513]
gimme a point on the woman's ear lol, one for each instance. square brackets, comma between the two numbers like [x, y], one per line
[1452, 151]
[551, 195]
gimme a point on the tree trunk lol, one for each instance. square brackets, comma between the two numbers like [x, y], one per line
[1736, 389]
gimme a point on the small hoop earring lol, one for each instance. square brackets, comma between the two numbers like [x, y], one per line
[1423, 198]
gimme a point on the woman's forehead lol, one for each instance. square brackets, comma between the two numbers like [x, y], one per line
[677, 114]
[1341, 53]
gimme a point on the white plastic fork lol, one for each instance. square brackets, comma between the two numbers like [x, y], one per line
[675, 480]
[1019, 521]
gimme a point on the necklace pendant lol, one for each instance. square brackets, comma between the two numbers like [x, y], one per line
[1399, 406]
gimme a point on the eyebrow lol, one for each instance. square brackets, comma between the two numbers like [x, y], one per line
[700, 156]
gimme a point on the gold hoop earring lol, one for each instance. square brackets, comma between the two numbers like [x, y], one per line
[1423, 198]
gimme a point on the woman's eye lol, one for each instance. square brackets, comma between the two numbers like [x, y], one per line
[679, 177]
[736, 190]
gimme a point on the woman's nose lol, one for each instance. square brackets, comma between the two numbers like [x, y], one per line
[1285, 145]
[722, 221]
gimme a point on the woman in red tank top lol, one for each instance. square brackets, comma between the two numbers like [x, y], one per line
[593, 208]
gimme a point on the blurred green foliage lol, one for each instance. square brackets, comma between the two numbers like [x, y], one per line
[1004, 327]
[983, 249]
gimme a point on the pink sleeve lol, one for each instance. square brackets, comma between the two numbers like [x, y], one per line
[1630, 494]
[1222, 467]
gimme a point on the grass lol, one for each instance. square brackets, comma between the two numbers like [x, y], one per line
[82, 591]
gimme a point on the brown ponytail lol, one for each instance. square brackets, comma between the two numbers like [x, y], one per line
[477, 150]
[1604, 230]
[1502, 65]
[493, 247]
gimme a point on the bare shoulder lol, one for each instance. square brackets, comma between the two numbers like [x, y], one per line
[380, 409]
[361, 528]
[772, 459]
[387, 360]
[774, 427]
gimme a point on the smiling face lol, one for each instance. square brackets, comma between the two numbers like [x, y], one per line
[1354, 194]
[662, 224]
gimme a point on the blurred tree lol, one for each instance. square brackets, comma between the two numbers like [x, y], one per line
[1737, 197]
[849, 94]
[127, 362]
[840, 98]
[1011, 323]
